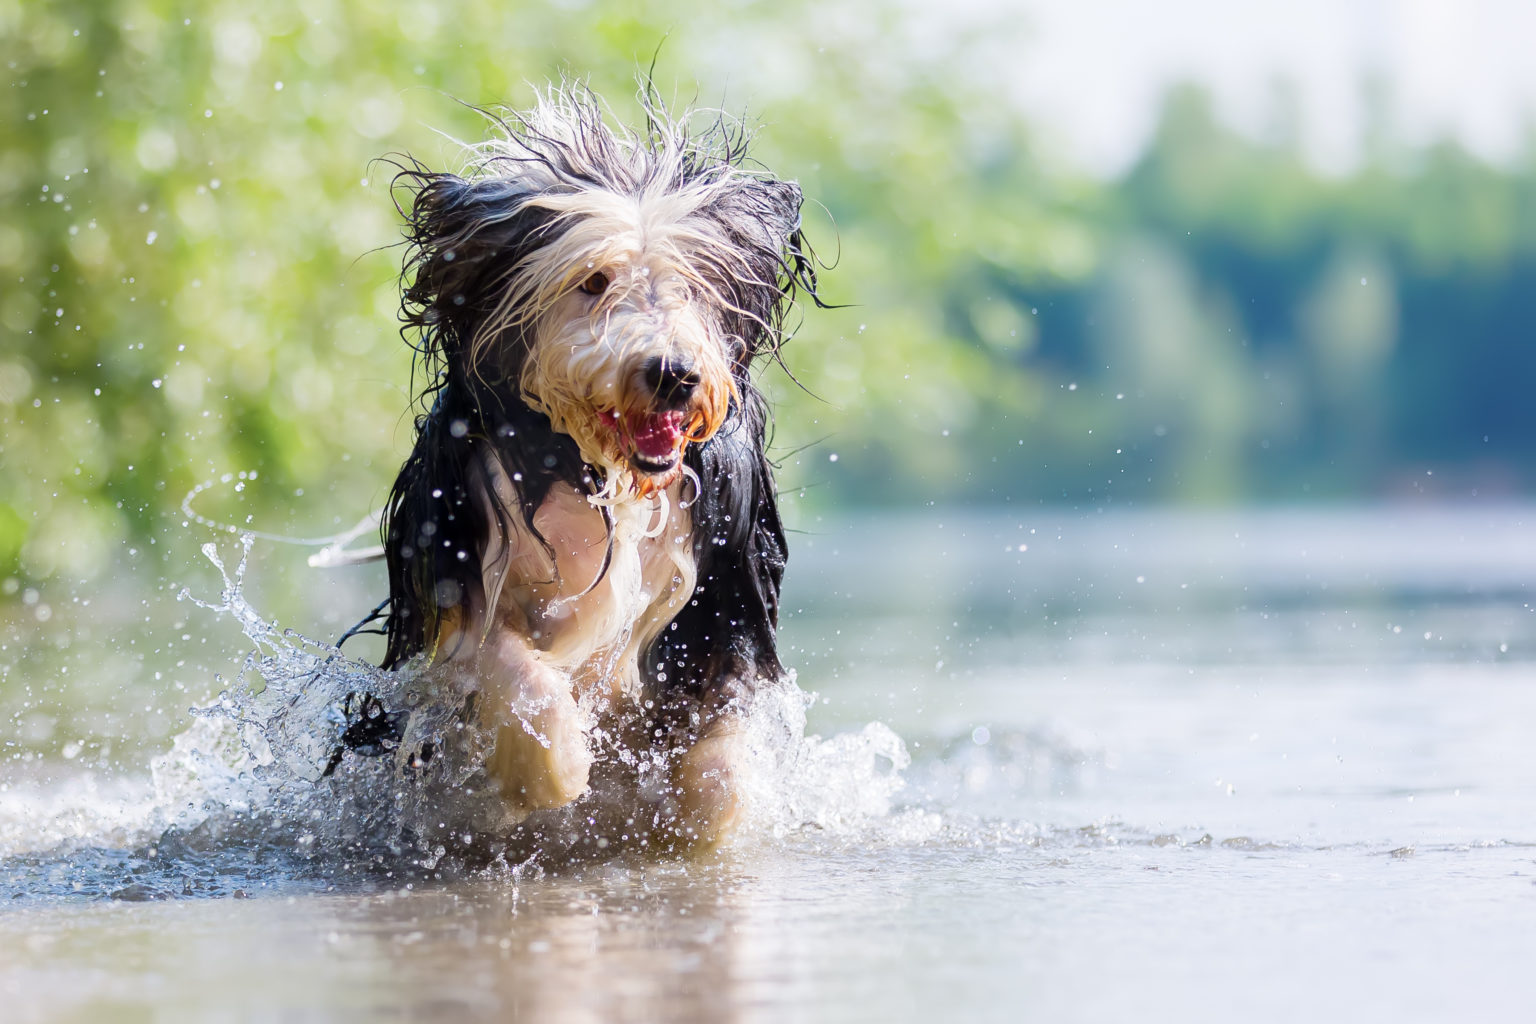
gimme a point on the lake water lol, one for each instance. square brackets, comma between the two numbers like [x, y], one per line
[1270, 765]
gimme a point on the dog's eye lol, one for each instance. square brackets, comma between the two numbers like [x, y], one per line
[596, 284]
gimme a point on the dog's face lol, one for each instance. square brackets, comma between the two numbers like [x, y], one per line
[630, 354]
[620, 283]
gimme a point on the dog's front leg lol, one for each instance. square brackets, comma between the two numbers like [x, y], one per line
[706, 782]
[541, 757]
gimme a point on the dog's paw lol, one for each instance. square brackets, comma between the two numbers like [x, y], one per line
[541, 765]
[542, 758]
[706, 782]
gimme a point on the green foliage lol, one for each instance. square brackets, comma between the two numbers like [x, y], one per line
[199, 279]
[198, 274]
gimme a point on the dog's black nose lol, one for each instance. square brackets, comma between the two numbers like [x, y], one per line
[671, 380]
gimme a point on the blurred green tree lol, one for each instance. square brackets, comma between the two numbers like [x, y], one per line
[198, 275]
[199, 284]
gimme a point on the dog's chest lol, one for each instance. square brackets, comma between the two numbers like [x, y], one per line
[609, 596]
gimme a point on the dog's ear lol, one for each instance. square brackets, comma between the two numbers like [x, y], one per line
[762, 215]
[784, 205]
[462, 237]
[783, 220]
[759, 219]
[778, 210]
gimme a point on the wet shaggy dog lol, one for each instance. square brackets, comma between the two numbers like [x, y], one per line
[585, 537]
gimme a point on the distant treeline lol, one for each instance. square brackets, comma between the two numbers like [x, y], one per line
[1244, 327]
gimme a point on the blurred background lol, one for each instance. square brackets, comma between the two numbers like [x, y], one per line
[1090, 255]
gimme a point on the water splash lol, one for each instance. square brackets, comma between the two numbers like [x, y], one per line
[797, 781]
[263, 776]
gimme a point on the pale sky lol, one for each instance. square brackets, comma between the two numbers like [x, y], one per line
[1092, 71]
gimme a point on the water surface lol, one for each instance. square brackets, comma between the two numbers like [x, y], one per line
[1161, 765]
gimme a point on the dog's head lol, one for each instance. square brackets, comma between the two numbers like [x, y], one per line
[618, 282]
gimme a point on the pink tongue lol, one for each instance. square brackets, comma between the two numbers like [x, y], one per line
[656, 436]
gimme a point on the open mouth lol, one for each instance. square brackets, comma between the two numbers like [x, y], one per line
[652, 441]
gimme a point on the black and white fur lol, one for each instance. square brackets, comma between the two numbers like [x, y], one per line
[586, 533]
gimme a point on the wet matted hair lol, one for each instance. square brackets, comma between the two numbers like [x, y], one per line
[587, 303]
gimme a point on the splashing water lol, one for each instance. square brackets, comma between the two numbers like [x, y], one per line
[262, 776]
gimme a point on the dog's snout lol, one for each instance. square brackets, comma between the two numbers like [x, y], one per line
[671, 380]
